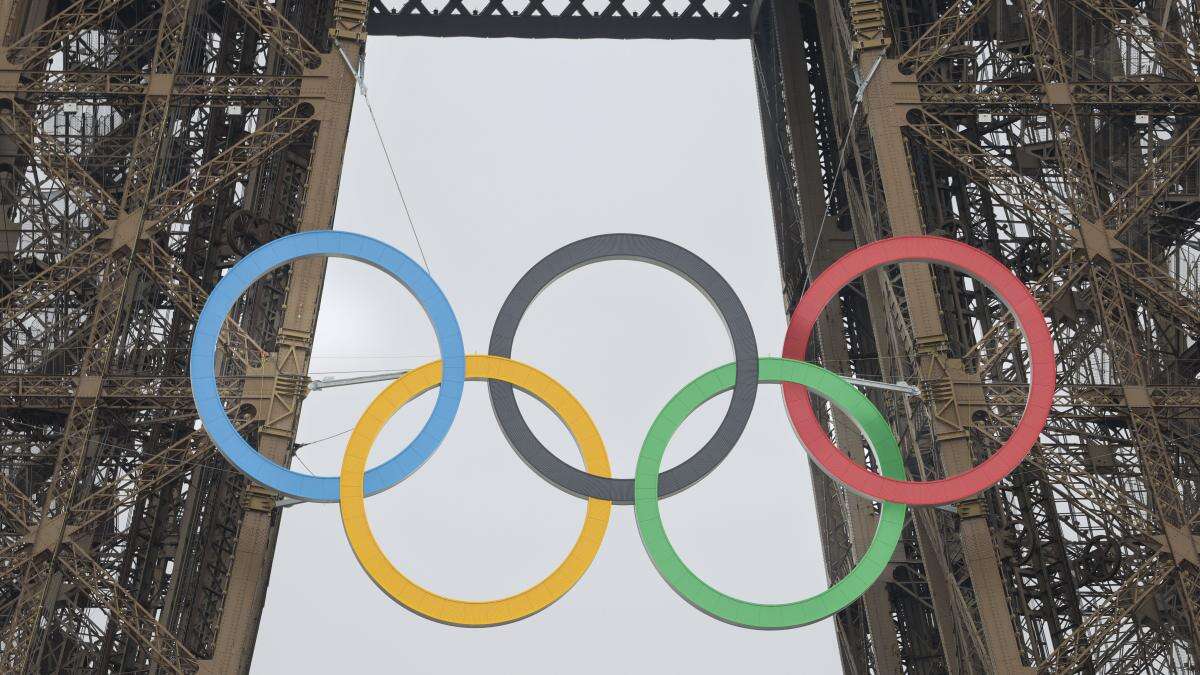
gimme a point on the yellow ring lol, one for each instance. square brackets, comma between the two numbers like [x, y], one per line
[420, 600]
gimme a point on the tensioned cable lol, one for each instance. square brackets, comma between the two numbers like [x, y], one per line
[850, 130]
[340, 433]
[362, 88]
[296, 456]
[837, 173]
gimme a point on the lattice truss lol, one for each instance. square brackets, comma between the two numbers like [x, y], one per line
[1062, 136]
[144, 147]
[656, 19]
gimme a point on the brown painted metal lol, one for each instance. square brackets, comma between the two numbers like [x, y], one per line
[1058, 135]
[143, 145]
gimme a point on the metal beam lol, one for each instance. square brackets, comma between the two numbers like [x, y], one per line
[579, 19]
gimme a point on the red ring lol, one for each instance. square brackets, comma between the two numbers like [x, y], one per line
[1000, 280]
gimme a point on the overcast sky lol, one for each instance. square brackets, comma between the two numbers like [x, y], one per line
[507, 150]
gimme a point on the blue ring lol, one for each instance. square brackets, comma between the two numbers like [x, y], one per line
[339, 245]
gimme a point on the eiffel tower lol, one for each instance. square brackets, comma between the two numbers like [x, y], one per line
[147, 145]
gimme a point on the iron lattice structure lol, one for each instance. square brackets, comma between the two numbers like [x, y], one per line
[147, 145]
[1062, 137]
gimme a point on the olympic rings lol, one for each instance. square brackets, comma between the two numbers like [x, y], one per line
[1012, 293]
[595, 483]
[280, 252]
[669, 256]
[706, 598]
[449, 610]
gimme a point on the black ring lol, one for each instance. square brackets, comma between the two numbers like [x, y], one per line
[671, 257]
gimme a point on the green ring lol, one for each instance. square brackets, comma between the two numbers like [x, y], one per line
[706, 598]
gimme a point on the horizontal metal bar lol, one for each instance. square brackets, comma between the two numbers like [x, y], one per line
[317, 385]
[568, 27]
[326, 383]
[902, 387]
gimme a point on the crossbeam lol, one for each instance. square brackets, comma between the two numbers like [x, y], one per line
[700, 20]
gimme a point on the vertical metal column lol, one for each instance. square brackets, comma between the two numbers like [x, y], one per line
[806, 234]
[143, 149]
[329, 88]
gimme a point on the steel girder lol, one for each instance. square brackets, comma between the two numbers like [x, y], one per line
[145, 148]
[1060, 137]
